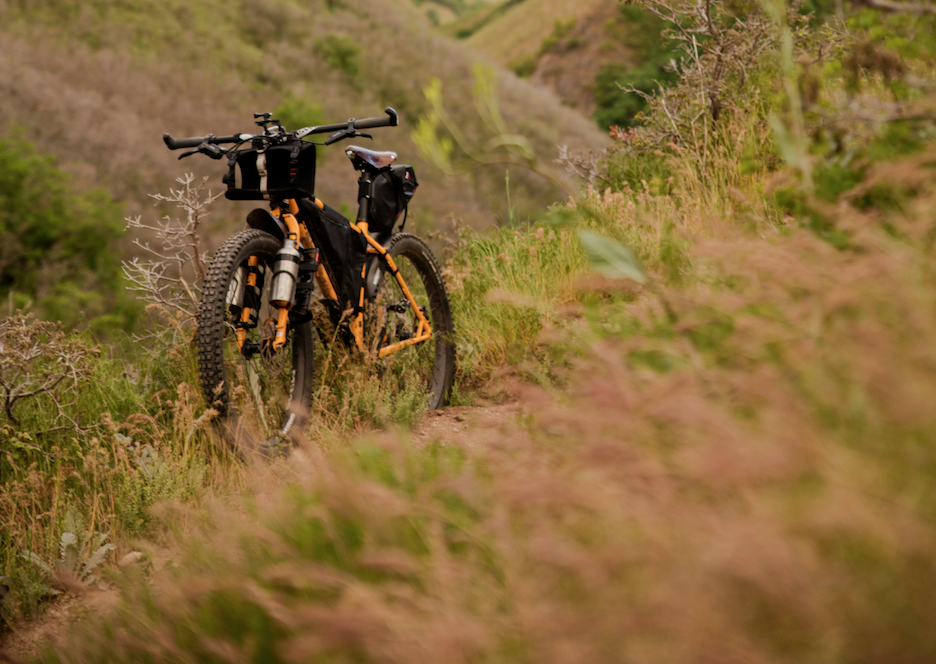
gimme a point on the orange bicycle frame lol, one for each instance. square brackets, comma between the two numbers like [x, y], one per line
[298, 230]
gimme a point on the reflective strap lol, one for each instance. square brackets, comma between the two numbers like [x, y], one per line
[294, 162]
[262, 172]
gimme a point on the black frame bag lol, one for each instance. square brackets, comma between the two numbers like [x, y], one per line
[343, 249]
[271, 173]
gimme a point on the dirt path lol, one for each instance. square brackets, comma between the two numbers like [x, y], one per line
[466, 426]
[28, 638]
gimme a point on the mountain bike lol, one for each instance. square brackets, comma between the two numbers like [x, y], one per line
[302, 273]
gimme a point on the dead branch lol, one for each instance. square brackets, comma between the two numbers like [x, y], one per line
[169, 278]
[39, 361]
[900, 7]
[583, 164]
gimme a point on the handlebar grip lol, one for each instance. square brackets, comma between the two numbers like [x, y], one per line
[392, 120]
[177, 143]
[195, 141]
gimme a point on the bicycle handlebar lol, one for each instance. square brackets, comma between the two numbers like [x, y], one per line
[195, 141]
[391, 120]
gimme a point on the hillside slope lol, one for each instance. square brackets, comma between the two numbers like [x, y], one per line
[559, 44]
[97, 85]
[513, 30]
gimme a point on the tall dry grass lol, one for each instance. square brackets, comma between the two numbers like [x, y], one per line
[737, 469]
[742, 475]
[131, 437]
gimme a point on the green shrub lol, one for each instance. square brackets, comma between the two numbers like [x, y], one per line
[640, 31]
[558, 40]
[525, 66]
[342, 53]
[57, 247]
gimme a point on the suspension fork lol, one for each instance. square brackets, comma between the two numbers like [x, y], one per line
[252, 264]
[285, 272]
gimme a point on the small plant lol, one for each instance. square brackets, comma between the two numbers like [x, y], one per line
[79, 553]
[40, 362]
[442, 141]
[170, 279]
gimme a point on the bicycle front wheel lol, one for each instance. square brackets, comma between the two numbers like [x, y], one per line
[262, 395]
[425, 369]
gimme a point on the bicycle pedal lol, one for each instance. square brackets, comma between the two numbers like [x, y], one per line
[278, 446]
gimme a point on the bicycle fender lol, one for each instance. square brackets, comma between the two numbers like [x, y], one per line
[264, 221]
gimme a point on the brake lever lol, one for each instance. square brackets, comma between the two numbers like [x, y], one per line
[342, 134]
[339, 135]
[210, 149]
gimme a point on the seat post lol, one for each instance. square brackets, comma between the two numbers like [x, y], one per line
[365, 187]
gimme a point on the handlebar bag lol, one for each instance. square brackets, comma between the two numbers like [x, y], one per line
[392, 190]
[271, 173]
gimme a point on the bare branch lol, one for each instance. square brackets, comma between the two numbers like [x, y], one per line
[172, 276]
[40, 362]
[901, 7]
[582, 164]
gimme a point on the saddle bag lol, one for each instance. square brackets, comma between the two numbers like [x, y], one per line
[275, 172]
[392, 190]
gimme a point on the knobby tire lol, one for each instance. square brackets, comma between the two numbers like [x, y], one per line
[435, 371]
[257, 397]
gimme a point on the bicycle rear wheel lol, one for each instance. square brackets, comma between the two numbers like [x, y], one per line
[427, 367]
[263, 396]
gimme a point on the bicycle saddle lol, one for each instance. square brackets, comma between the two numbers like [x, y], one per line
[372, 157]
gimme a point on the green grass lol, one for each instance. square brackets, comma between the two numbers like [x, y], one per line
[136, 444]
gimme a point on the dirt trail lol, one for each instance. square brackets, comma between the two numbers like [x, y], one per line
[28, 639]
[466, 426]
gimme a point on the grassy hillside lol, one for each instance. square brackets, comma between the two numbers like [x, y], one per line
[583, 51]
[97, 84]
[561, 44]
[725, 355]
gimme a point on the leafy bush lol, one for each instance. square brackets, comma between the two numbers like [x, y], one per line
[558, 40]
[342, 53]
[617, 104]
[641, 32]
[57, 247]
